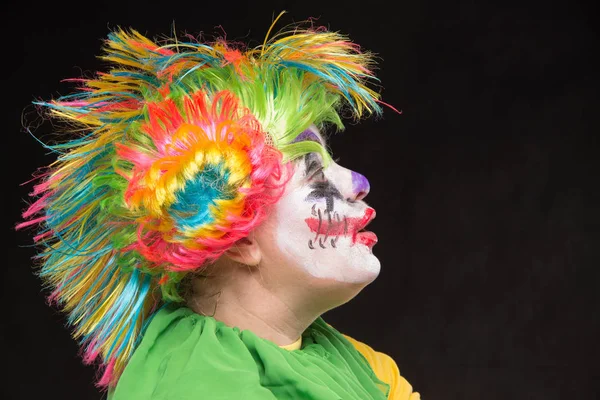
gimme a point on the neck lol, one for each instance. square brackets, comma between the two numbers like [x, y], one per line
[243, 298]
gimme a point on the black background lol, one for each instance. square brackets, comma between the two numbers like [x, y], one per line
[486, 187]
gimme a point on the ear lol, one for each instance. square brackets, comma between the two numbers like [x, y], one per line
[245, 251]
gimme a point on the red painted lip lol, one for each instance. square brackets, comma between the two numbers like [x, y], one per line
[367, 218]
[332, 226]
[367, 238]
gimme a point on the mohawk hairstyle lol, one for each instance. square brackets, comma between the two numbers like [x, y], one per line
[176, 153]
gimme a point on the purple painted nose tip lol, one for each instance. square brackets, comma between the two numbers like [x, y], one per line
[360, 185]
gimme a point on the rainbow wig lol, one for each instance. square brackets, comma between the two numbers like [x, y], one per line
[174, 154]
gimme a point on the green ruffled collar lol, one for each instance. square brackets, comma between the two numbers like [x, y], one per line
[184, 355]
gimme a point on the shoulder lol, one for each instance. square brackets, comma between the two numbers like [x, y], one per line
[183, 354]
[386, 370]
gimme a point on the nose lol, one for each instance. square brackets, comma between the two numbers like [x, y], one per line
[360, 186]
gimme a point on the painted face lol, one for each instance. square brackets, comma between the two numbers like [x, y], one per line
[319, 222]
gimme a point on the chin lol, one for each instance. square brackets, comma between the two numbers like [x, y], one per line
[361, 273]
[361, 270]
[369, 269]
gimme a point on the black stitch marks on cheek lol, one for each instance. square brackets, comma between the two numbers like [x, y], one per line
[333, 221]
[338, 219]
[328, 226]
[320, 222]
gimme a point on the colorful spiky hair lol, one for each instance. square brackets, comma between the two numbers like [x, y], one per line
[181, 149]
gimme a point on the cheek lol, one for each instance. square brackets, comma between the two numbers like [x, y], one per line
[290, 218]
[302, 241]
[330, 227]
[309, 225]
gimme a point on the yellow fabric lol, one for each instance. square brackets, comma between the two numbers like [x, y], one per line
[386, 370]
[293, 346]
[384, 367]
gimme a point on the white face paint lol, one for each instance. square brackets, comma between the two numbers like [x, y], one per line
[318, 219]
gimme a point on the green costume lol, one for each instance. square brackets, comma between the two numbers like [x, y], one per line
[184, 355]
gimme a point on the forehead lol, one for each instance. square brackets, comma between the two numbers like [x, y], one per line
[311, 134]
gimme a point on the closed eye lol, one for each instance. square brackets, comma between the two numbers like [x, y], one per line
[318, 175]
[313, 167]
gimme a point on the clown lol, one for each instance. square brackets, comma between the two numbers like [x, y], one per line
[196, 228]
